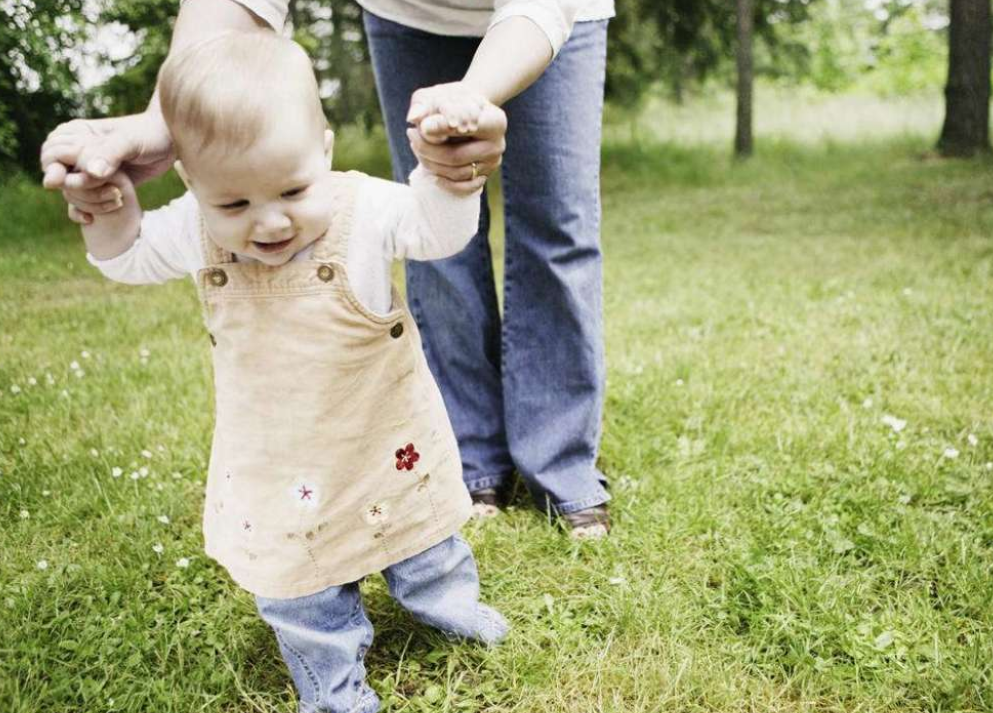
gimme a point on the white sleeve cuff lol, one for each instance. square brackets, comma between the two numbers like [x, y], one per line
[551, 17]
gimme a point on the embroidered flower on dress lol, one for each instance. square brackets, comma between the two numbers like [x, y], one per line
[406, 457]
[376, 513]
[305, 494]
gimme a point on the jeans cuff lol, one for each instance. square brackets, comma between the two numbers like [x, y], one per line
[480, 482]
[571, 506]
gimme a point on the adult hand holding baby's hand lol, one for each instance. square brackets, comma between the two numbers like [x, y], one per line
[458, 135]
[81, 155]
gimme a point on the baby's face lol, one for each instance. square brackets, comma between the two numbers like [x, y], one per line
[269, 201]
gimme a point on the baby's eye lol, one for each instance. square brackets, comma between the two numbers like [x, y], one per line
[294, 191]
[234, 205]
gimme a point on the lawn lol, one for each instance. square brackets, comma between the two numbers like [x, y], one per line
[799, 435]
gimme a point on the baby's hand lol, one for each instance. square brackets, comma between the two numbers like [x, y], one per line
[109, 213]
[447, 107]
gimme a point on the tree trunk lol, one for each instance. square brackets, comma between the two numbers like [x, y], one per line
[967, 93]
[743, 131]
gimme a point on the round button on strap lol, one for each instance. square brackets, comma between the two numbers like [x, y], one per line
[217, 277]
[325, 273]
[396, 331]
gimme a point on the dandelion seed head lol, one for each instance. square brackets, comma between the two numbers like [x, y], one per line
[42, 564]
[32, 381]
[116, 472]
[74, 365]
[79, 373]
[25, 514]
[135, 475]
[158, 548]
[85, 354]
[973, 441]
[143, 471]
[15, 389]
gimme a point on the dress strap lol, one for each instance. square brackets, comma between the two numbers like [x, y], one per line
[212, 253]
[334, 244]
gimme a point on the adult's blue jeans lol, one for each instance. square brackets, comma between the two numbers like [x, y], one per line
[324, 637]
[527, 391]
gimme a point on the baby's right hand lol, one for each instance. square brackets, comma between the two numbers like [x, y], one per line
[88, 197]
[110, 215]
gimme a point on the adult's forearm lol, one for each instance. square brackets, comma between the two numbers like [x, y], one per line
[512, 55]
[200, 19]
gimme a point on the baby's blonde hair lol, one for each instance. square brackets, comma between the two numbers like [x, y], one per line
[230, 89]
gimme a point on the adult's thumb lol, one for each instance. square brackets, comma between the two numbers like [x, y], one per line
[105, 156]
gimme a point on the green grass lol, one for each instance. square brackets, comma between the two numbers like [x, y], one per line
[778, 547]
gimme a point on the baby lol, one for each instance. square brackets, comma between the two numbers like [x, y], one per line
[333, 456]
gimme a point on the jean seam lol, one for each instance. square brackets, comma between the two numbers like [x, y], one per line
[572, 506]
[304, 666]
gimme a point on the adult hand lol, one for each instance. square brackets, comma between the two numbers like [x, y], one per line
[84, 153]
[463, 152]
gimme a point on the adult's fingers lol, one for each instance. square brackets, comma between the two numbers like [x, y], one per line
[463, 187]
[460, 173]
[456, 154]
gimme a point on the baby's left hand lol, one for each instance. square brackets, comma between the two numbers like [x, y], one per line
[444, 107]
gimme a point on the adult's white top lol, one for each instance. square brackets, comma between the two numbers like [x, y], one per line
[465, 18]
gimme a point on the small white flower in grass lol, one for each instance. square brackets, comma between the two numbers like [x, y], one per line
[21, 442]
[973, 441]
[160, 448]
[79, 373]
[989, 466]
[15, 389]
[146, 454]
[94, 452]
[679, 382]
[49, 379]
[135, 475]
[116, 472]
[177, 475]
[64, 394]
[144, 353]
[907, 292]
[867, 403]
[25, 514]
[617, 580]
[159, 486]
[158, 549]
[85, 354]
[904, 499]
[42, 564]
[143, 472]
[950, 453]
[164, 519]
[32, 381]
[897, 424]
[144, 361]
[900, 445]
[74, 366]
[46, 493]
[183, 562]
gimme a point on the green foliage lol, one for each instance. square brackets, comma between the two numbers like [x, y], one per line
[38, 83]
[679, 43]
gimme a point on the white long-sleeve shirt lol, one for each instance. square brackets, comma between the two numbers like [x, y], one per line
[391, 221]
[465, 18]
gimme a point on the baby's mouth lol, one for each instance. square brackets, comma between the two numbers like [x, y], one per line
[272, 247]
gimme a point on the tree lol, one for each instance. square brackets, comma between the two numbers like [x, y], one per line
[967, 92]
[743, 124]
[38, 86]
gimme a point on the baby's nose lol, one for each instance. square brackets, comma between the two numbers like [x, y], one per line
[271, 220]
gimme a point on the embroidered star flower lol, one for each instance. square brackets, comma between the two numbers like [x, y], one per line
[376, 513]
[305, 494]
[407, 457]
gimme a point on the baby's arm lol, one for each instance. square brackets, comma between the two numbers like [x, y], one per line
[138, 248]
[424, 221]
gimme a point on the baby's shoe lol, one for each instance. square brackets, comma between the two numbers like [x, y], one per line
[588, 524]
[485, 503]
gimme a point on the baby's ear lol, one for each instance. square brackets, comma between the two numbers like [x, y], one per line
[182, 174]
[329, 145]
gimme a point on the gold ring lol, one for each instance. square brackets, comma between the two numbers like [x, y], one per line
[475, 171]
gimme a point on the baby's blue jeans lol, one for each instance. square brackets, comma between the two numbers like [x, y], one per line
[324, 637]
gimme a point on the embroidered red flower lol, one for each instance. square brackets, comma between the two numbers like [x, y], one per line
[305, 492]
[406, 457]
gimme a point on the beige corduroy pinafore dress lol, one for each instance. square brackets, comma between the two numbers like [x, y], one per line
[333, 456]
